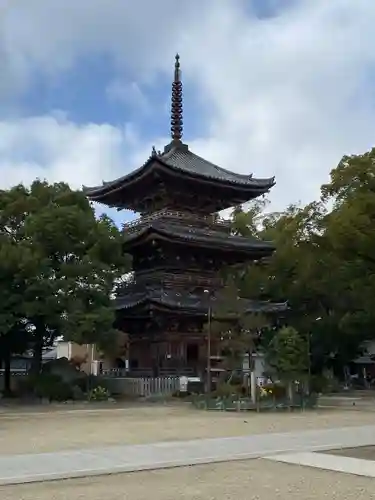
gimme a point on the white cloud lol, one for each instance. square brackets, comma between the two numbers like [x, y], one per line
[53, 147]
[287, 95]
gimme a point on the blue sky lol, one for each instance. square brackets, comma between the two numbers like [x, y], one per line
[271, 87]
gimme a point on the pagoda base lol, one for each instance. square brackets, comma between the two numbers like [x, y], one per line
[177, 355]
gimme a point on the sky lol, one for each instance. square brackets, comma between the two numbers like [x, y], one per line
[271, 87]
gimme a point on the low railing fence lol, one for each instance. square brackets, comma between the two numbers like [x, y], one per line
[145, 373]
[141, 386]
[15, 372]
[176, 216]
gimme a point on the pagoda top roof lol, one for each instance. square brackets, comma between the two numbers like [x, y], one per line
[177, 160]
[177, 157]
[188, 302]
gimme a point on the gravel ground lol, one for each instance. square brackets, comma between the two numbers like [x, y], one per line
[363, 452]
[250, 480]
[40, 432]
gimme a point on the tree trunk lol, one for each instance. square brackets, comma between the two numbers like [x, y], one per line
[7, 389]
[36, 363]
[290, 392]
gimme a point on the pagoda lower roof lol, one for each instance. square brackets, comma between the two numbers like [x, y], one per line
[188, 303]
[197, 236]
[177, 159]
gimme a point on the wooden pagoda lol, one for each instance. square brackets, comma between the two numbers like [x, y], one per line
[178, 246]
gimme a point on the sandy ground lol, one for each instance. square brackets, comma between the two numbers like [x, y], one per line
[250, 480]
[22, 432]
[363, 452]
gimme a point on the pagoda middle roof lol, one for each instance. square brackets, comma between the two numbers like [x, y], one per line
[189, 302]
[198, 235]
[179, 159]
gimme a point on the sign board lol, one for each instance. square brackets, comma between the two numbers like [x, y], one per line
[183, 384]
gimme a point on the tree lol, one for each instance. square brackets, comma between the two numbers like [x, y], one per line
[323, 264]
[68, 267]
[236, 330]
[307, 270]
[14, 332]
[248, 222]
[288, 356]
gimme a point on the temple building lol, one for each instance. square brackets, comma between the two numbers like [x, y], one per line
[179, 245]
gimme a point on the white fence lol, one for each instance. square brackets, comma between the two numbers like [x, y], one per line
[143, 387]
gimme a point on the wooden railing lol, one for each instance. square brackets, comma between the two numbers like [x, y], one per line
[172, 279]
[209, 221]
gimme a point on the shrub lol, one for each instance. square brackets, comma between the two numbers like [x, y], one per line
[318, 384]
[62, 391]
[196, 387]
[99, 394]
[48, 386]
[321, 384]
[88, 382]
[181, 394]
[77, 393]
[225, 390]
[276, 391]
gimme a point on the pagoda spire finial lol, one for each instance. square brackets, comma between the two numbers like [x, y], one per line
[176, 104]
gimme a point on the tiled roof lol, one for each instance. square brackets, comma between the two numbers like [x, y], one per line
[178, 157]
[189, 302]
[183, 159]
[201, 235]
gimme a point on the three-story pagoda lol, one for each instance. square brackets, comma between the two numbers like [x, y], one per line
[178, 246]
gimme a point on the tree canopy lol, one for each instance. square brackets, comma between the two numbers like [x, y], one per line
[58, 267]
[287, 354]
[324, 263]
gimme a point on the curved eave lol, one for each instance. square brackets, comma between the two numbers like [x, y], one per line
[104, 193]
[231, 242]
[241, 182]
[194, 307]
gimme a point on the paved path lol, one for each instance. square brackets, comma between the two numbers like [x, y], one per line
[336, 463]
[67, 464]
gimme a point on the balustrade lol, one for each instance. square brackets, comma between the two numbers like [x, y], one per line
[175, 216]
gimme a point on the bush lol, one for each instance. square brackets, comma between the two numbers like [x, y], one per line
[321, 384]
[62, 391]
[99, 394]
[181, 394]
[47, 386]
[318, 384]
[275, 391]
[196, 387]
[77, 393]
[225, 390]
[236, 378]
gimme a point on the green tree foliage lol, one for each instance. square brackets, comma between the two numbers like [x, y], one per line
[233, 328]
[287, 354]
[58, 265]
[323, 263]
